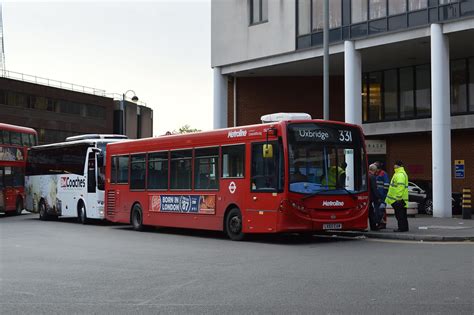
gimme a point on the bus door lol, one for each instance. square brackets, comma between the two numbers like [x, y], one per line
[267, 178]
[13, 180]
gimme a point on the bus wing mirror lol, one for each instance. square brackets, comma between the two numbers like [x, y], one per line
[96, 150]
[267, 151]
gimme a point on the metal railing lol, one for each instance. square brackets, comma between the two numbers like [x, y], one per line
[50, 82]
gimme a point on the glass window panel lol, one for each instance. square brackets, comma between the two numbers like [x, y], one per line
[335, 13]
[137, 171]
[423, 90]
[390, 94]
[255, 11]
[458, 86]
[365, 110]
[407, 106]
[378, 9]
[15, 138]
[265, 171]
[264, 10]
[158, 170]
[471, 84]
[359, 11]
[375, 96]
[304, 17]
[181, 171]
[318, 15]
[396, 6]
[233, 161]
[417, 4]
[122, 171]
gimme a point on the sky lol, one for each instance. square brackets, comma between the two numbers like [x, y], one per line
[159, 49]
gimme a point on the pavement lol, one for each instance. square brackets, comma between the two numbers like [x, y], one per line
[423, 228]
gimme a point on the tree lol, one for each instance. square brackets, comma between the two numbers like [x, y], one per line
[186, 129]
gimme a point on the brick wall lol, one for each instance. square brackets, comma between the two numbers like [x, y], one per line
[263, 95]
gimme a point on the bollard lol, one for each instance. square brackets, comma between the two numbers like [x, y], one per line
[466, 203]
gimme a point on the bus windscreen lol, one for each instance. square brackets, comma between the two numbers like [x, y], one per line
[326, 158]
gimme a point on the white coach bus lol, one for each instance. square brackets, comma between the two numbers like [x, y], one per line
[67, 178]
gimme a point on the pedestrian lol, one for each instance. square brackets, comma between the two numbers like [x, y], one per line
[374, 199]
[397, 196]
[383, 183]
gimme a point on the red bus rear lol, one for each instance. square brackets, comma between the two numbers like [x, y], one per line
[287, 176]
[14, 141]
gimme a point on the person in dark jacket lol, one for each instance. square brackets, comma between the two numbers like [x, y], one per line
[375, 198]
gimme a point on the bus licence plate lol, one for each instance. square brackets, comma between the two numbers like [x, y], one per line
[332, 226]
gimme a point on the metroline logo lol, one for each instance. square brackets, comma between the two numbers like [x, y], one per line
[66, 182]
[237, 133]
[336, 203]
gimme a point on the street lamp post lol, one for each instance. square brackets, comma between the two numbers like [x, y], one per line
[133, 99]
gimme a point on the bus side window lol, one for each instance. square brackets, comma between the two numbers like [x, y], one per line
[122, 171]
[6, 137]
[137, 171]
[233, 161]
[181, 170]
[91, 181]
[205, 168]
[113, 170]
[265, 171]
[157, 170]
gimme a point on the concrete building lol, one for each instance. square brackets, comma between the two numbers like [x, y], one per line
[57, 109]
[404, 70]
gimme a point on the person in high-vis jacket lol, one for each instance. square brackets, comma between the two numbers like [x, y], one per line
[397, 196]
[335, 177]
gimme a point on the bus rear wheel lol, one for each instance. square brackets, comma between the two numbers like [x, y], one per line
[82, 214]
[43, 214]
[233, 225]
[137, 218]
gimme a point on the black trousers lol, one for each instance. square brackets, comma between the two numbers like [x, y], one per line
[401, 214]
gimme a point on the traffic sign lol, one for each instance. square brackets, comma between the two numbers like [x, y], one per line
[459, 169]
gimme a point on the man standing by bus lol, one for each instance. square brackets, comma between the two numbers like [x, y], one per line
[383, 183]
[398, 196]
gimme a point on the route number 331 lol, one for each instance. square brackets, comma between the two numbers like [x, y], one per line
[345, 136]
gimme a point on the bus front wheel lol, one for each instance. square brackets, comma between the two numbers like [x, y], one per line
[137, 218]
[233, 225]
[82, 214]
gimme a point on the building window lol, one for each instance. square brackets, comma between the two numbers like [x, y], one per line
[407, 96]
[396, 7]
[359, 11]
[458, 86]
[378, 9]
[423, 90]
[417, 4]
[258, 11]
[304, 17]
[375, 96]
[390, 80]
[335, 14]
[471, 84]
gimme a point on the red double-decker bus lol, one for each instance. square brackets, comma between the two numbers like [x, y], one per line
[14, 141]
[284, 176]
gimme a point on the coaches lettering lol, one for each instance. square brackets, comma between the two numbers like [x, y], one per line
[67, 182]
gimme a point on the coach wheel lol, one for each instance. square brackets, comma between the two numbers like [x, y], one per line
[137, 218]
[43, 215]
[19, 206]
[234, 225]
[82, 214]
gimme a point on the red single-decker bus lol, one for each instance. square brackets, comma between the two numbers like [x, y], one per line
[285, 176]
[14, 141]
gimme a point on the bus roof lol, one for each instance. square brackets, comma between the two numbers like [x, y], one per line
[17, 128]
[90, 142]
[95, 136]
[226, 135]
